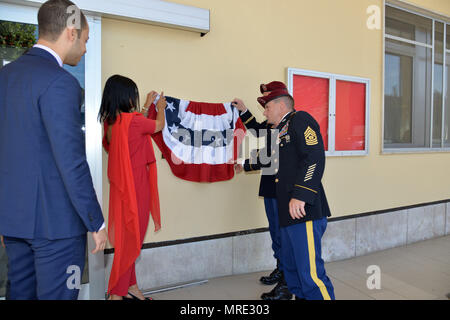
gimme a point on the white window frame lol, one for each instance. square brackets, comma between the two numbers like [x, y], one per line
[291, 72]
[434, 19]
[95, 289]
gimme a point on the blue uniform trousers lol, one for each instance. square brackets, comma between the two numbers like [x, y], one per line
[303, 266]
[41, 269]
[271, 206]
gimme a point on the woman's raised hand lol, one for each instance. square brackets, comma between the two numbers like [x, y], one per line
[161, 102]
[151, 96]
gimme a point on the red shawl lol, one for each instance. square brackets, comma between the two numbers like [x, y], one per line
[123, 221]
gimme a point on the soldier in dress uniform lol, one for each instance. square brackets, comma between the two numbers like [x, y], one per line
[302, 205]
[260, 160]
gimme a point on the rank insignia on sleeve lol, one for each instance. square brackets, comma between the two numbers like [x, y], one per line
[311, 137]
[310, 172]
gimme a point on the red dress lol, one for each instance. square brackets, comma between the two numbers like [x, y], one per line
[133, 194]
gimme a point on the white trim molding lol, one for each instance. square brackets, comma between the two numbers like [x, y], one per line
[94, 134]
[155, 12]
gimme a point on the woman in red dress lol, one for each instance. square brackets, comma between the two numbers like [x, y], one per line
[132, 176]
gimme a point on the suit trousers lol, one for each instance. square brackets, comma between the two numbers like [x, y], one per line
[271, 206]
[303, 266]
[41, 269]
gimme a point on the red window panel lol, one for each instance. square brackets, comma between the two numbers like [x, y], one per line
[311, 94]
[350, 116]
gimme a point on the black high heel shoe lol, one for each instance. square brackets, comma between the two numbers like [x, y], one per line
[133, 297]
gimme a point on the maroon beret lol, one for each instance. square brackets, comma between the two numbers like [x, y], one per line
[273, 95]
[274, 85]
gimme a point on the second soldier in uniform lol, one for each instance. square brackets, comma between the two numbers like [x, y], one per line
[302, 205]
[260, 160]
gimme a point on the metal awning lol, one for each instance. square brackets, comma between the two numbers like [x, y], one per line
[155, 12]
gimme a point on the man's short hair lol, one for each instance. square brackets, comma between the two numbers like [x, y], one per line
[55, 15]
[288, 101]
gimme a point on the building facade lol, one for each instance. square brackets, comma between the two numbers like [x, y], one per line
[374, 73]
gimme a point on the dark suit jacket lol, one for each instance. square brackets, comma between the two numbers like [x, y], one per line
[46, 188]
[261, 159]
[302, 164]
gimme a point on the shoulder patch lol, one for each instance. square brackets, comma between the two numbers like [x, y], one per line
[311, 137]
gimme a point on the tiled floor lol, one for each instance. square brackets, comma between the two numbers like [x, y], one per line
[417, 271]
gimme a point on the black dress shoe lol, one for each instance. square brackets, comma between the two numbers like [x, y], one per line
[133, 297]
[302, 299]
[273, 278]
[280, 292]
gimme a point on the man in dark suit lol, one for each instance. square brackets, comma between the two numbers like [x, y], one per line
[47, 199]
[302, 205]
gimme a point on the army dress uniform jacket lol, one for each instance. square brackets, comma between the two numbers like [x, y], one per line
[301, 167]
[261, 159]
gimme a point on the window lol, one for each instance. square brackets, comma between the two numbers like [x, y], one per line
[446, 116]
[16, 38]
[340, 104]
[416, 106]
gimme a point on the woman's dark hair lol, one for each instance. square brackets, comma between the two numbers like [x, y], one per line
[120, 95]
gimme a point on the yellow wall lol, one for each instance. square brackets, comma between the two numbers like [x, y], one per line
[253, 42]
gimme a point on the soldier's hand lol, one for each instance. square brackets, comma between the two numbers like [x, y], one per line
[3, 244]
[238, 168]
[239, 104]
[297, 209]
